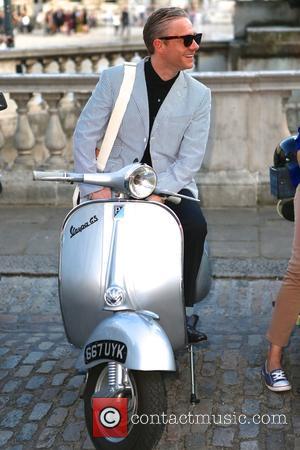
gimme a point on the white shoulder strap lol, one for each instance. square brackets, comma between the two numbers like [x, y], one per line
[117, 115]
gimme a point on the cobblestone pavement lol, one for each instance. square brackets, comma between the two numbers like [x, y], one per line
[39, 388]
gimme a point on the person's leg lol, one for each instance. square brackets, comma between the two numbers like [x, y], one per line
[287, 308]
[287, 305]
[194, 230]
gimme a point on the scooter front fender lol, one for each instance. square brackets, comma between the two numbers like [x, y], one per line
[147, 347]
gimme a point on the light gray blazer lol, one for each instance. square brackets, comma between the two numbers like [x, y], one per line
[178, 137]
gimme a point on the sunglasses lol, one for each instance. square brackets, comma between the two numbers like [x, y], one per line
[187, 39]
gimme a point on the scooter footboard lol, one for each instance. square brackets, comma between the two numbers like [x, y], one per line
[139, 343]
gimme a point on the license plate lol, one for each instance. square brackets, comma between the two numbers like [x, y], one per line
[115, 350]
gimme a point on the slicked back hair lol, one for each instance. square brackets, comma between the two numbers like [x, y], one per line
[156, 24]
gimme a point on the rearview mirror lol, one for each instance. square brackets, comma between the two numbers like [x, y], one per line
[3, 104]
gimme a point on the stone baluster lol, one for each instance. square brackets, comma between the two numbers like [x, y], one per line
[95, 63]
[55, 139]
[24, 139]
[78, 62]
[62, 64]
[47, 64]
[29, 65]
[80, 100]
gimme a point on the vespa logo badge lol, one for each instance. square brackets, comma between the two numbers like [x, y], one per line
[76, 230]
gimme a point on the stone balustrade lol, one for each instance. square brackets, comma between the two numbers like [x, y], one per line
[249, 118]
[92, 58]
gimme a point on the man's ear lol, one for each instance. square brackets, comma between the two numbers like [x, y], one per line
[158, 45]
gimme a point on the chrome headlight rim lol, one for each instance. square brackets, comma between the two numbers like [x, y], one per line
[146, 173]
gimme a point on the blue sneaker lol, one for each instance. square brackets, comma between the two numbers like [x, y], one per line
[275, 380]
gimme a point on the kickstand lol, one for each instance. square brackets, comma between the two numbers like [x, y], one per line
[194, 399]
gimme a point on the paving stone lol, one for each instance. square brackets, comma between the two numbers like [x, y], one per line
[45, 345]
[296, 424]
[249, 430]
[46, 367]
[274, 440]
[223, 437]
[27, 432]
[11, 386]
[12, 418]
[250, 445]
[39, 411]
[255, 339]
[33, 357]
[3, 374]
[60, 352]
[275, 400]
[50, 394]
[68, 363]
[72, 431]
[35, 382]
[79, 412]
[229, 359]
[58, 417]
[230, 377]
[59, 379]
[3, 351]
[5, 437]
[251, 406]
[47, 438]
[11, 362]
[68, 398]
[23, 371]
[88, 445]
[208, 369]
[195, 441]
[76, 381]
[24, 399]
[3, 400]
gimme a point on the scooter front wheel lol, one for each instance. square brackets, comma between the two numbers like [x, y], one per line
[147, 399]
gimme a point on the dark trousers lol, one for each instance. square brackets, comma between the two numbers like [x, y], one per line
[194, 230]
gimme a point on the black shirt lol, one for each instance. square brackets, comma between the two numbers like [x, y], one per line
[157, 90]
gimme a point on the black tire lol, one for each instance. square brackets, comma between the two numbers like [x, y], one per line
[151, 399]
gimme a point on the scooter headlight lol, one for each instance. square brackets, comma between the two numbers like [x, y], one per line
[114, 296]
[141, 182]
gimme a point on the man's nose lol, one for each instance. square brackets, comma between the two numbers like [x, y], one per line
[194, 45]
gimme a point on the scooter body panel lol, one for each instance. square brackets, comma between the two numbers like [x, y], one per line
[133, 339]
[148, 260]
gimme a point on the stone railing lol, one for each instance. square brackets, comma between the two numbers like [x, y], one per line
[92, 58]
[249, 118]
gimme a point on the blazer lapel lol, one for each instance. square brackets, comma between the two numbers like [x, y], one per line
[174, 100]
[140, 95]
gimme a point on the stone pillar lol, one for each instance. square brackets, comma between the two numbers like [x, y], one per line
[55, 139]
[24, 139]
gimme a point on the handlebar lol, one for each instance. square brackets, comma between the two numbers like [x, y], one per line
[113, 180]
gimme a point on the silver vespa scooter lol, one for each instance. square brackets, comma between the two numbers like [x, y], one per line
[121, 296]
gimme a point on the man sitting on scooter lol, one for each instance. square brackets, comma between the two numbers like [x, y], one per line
[165, 125]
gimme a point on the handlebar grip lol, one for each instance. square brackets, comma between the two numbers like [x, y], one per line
[41, 175]
[173, 199]
[56, 175]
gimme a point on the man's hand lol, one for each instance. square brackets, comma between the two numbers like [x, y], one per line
[156, 198]
[101, 194]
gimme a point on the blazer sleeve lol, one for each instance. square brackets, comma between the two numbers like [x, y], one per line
[191, 151]
[90, 129]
